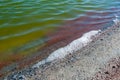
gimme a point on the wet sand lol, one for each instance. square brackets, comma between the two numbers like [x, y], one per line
[100, 60]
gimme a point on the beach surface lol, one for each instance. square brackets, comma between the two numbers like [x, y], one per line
[99, 60]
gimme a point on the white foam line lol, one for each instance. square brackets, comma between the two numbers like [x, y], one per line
[70, 48]
[116, 20]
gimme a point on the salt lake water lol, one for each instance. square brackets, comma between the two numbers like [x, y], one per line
[26, 26]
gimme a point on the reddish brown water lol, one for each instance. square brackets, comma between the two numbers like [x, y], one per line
[73, 29]
[73, 23]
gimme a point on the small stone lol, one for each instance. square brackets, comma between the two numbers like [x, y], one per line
[113, 66]
[106, 72]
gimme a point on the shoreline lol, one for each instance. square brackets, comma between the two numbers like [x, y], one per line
[69, 61]
[51, 46]
[70, 48]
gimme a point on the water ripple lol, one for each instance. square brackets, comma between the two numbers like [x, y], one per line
[19, 18]
[19, 34]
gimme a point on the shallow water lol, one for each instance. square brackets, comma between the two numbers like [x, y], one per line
[25, 26]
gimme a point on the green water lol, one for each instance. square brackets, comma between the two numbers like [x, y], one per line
[24, 24]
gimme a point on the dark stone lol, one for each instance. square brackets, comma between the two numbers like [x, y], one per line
[21, 77]
[101, 39]
[113, 66]
[118, 66]
[106, 72]
[108, 33]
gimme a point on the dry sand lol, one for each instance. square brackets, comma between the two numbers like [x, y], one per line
[100, 60]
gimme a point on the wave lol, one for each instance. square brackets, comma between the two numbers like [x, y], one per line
[20, 34]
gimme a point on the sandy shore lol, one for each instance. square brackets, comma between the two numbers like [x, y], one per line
[100, 60]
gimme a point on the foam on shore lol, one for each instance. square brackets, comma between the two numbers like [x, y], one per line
[70, 48]
[116, 21]
[73, 46]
